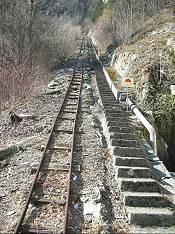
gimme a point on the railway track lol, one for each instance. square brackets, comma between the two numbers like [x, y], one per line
[48, 197]
[55, 204]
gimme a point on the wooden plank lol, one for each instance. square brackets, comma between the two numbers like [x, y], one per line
[66, 118]
[73, 98]
[34, 230]
[51, 168]
[71, 104]
[48, 201]
[63, 130]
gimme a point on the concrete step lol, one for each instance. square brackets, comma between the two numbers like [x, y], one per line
[125, 143]
[134, 172]
[128, 152]
[117, 119]
[103, 90]
[106, 91]
[126, 136]
[116, 110]
[120, 129]
[153, 230]
[140, 185]
[151, 216]
[107, 98]
[115, 115]
[106, 95]
[118, 114]
[117, 124]
[131, 162]
[104, 87]
[115, 106]
[112, 97]
[109, 104]
[102, 84]
[111, 107]
[133, 199]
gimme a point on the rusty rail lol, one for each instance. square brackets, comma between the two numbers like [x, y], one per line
[72, 152]
[20, 222]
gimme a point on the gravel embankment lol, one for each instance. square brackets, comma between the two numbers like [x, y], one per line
[29, 135]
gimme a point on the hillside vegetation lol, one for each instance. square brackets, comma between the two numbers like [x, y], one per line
[145, 51]
[36, 36]
[116, 22]
[33, 40]
[149, 59]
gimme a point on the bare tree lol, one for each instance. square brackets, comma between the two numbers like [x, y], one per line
[31, 40]
[124, 17]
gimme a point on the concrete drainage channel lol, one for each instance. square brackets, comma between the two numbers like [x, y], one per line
[150, 206]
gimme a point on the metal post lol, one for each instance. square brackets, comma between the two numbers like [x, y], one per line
[127, 105]
[148, 126]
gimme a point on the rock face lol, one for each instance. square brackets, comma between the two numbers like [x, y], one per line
[150, 59]
[122, 62]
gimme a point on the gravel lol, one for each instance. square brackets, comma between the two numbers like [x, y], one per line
[96, 202]
[30, 134]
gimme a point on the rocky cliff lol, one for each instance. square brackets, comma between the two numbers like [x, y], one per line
[149, 58]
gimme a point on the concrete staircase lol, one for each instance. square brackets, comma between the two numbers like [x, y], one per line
[148, 203]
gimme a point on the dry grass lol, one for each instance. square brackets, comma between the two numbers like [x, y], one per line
[115, 77]
[155, 22]
[21, 87]
[112, 73]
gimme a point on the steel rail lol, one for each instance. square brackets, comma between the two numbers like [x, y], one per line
[19, 224]
[72, 153]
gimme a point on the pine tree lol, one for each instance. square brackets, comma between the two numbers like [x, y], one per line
[98, 10]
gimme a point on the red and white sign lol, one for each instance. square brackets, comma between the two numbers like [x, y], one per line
[128, 82]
